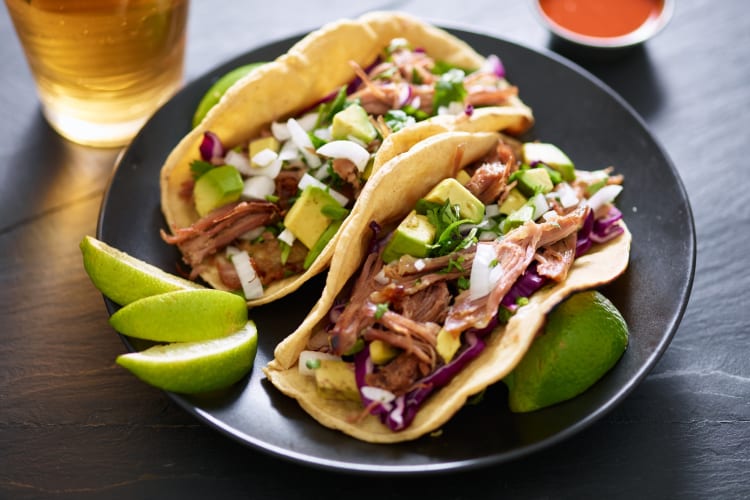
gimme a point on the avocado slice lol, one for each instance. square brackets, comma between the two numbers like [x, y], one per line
[412, 237]
[382, 352]
[353, 121]
[306, 219]
[512, 202]
[469, 206]
[258, 145]
[335, 380]
[533, 181]
[550, 155]
[216, 188]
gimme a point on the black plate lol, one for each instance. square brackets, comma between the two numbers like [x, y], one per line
[574, 110]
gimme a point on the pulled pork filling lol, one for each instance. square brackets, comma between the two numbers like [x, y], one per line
[411, 303]
[403, 80]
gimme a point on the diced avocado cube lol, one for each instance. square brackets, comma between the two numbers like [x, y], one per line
[463, 177]
[517, 218]
[450, 189]
[512, 202]
[382, 352]
[533, 181]
[550, 155]
[447, 344]
[258, 145]
[306, 219]
[412, 237]
[353, 121]
[335, 380]
[216, 188]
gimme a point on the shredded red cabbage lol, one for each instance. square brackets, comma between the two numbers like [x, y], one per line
[598, 230]
[399, 414]
[211, 148]
[607, 228]
[528, 283]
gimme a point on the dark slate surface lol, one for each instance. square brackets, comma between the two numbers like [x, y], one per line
[74, 425]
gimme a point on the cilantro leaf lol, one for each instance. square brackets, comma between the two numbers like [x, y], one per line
[449, 88]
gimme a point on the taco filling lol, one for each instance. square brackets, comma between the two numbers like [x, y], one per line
[269, 206]
[432, 292]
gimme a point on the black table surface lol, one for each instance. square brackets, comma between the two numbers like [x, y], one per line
[75, 425]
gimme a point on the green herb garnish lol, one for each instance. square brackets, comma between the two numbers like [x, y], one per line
[380, 309]
[449, 88]
[199, 167]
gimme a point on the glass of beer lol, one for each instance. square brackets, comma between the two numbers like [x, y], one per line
[102, 67]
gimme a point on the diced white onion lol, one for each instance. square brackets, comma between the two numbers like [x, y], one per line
[306, 356]
[271, 171]
[485, 273]
[252, 234]
[491, 210]
[265, 157]
[280, 131]
[324, 134]
[607, 194]
[286, 236]
[303, 142]
[258, 187]
[231, 251]
[348, 150]
[321, 173]
[550, 215]
[377, 394]
[539, 202]
[567, 195]
[309, 180]
[251, 285]
[308, 121]
[416, 103]
[381, 278]
[289, 151]
[419, 264]
[238, 161]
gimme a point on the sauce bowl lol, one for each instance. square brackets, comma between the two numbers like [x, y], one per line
[604, 25]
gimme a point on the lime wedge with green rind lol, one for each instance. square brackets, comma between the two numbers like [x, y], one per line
[123, 278]
[583, 339]
[182, 316]
[195, 367]
[219, 88]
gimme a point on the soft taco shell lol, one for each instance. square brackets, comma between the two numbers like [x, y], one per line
[505, 346]
[297, 80]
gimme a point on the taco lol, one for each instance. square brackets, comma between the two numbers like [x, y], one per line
[415, 320]
[254, 195]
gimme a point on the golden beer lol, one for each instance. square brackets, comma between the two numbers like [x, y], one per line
[102, 67]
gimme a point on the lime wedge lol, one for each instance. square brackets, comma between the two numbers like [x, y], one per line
[194, 367]
[583, 338]
[182, 316]
[124, 278]
[218, 89]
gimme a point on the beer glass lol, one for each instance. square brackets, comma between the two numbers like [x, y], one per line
[102, 67]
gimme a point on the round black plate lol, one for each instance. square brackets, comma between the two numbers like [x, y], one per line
[572, 109]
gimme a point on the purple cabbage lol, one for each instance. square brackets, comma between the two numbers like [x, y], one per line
[607, 228]
[528, 283]
[399, 414]
[211, 148]
[598, 230]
